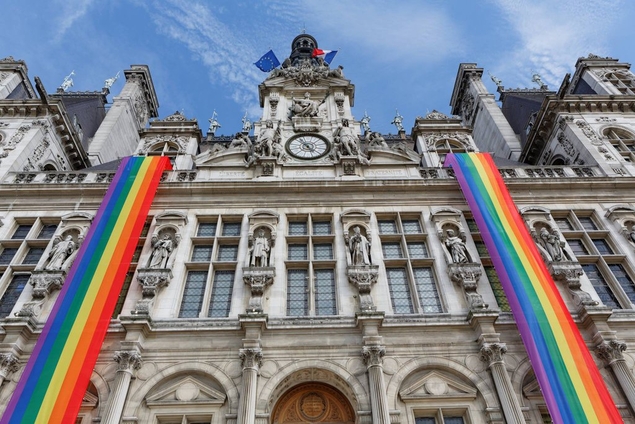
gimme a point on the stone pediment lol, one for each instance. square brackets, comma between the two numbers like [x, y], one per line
[224, 157]
[381, 155]
[187, 390]
[436, 384]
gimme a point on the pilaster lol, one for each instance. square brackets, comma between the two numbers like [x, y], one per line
[128, 362]
[373, 358]
[611, 353]
[251, 360]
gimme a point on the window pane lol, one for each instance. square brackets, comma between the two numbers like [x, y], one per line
[417, 250]
[7, 255]
[564, 224]
[12, 293]
[48, 230]
[227, 252]
[297, 228]
[453, 420]
[425, 420]
[193, 294]
[497, 288]
[21, 232]
[202, 253]
[297, 252]
[231, 229]
[587, 223]
[321, 228]
[624, 280]
[391, 250]
[122, 295]
[297, 296]
[481, 249]
[325, 292]
[146, 227]
[387, 227]
[602, 246]
[206, 229]
[471, 224]
[399, 291]
[136, 254]
[220, 303]
[427, 289]
[322, 251]
[33, 255]
[577, 247]
[600, 286]
[411, 226]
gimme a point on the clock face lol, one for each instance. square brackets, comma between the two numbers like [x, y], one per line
[307, 146]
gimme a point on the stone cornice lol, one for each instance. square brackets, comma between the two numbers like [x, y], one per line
[465, 72]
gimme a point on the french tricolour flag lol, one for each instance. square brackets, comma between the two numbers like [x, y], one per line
[327, 55]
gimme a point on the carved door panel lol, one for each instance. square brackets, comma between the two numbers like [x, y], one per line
[313, 403]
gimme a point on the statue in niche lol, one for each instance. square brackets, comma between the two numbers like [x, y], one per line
[553, 245]
[346, 139]
[259, 251]
[359, 247]
[457, 248]
[305, 107]
[161, 251]
[268, 136]
[60, 252]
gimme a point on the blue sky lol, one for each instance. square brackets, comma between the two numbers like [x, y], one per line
[400, 55]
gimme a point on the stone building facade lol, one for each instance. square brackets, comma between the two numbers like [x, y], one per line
[317, 271]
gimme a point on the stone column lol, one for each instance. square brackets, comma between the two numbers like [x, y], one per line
[129, 361]
[492, 353]
[8, 365]
[252, 359]
[373, 357]
[611, 353]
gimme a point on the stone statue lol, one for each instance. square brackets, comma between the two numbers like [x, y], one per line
[246, 124]
[268, 136]
[213, 124]
[161, 250]
[359, 247]
[240, 140]
[632, 234]
[456, 247]
[397, 121]
[259, 252]
[375, 139]
[365, 123]
[305, 107]
[110, 81]
[495, 80]
[60, 253]
[536, 78]
[553, 245]
[346, 138]
[68, 82]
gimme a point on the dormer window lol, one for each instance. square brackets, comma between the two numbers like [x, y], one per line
[623, 141]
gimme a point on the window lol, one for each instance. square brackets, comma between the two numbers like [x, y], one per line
[193, 294]
[12, 293]
[564, 224]
[231, 229]
[47, 231]
[33, 255]
[577, 247]
[221, 294]
[21, 232]
[227, 252]
[587, 223]
[602, 246]
[440, 419]
[206, 229]
[622, 80]
[623, 141]
[443, 147]
[7, 255]
[601, 287]
[202, 253]
[311, 283]
[624, 280]
[409, 272]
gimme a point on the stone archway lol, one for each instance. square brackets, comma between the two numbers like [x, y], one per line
[313, 403]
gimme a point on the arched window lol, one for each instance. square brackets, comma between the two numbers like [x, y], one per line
[445, 146]
[623, 141]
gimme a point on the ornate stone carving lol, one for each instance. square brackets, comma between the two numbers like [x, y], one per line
[128, 360]
[588, 131]
[611, 351]
[162, 249]
[31, 308]
[348, 167]
[179, 141]
[258, 279]
[339, 102]
[467, 276]
[492, 353]
[46, 282]
[467, 105]
[151, 282]
[373, 355]
[304, 72]
[274, 98]
[436, 115]
[550, 245]
[566, 144]
[251, 358]
[456, 247]
[463, 139]
[569, 273]
[364, 278]
[16, 137]
[8, 365]
[267, 168]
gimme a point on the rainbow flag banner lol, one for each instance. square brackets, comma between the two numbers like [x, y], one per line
[57, 374]
[568, 377]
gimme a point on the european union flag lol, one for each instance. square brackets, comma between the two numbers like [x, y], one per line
[268, 62]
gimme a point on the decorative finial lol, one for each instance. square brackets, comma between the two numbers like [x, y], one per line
[246, 124]
[365, 122]
[67, 83]
[397, 120]
[213, 124]
[110, 81]
[536, 78]
[496, 80]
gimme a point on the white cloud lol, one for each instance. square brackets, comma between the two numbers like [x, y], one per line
[552, 35]
[70, 12]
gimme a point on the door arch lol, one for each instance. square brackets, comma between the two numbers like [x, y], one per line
[313, 403]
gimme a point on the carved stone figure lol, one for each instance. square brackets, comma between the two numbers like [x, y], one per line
[246, 124]
[161, 250]
[259, 252]
[268, 136]
[632, 234]
[456, 247]
[241, 140]
[110, 81]
[60, 253]
[553, 245]
[213, 124]
[365, 123]
[346, 139]
[68, 82]
[305, 106]
[397, 121]
[375, 139]
[359, 247]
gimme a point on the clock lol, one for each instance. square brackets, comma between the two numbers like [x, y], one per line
[307, 146]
